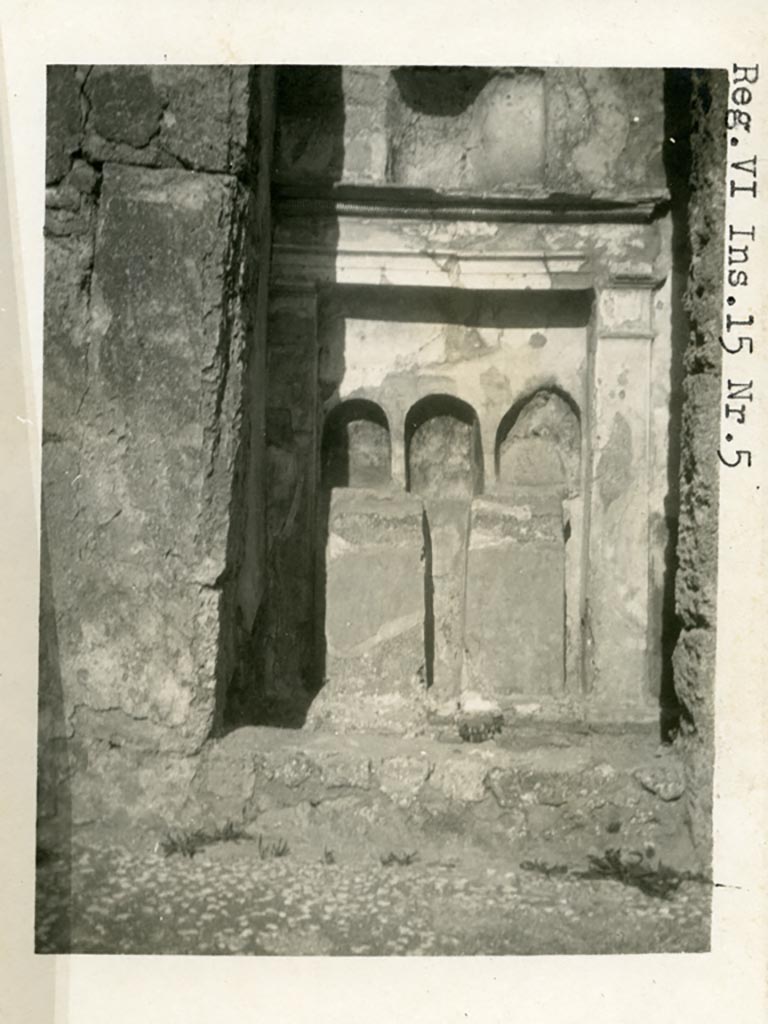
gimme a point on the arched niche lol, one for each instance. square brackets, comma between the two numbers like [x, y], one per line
[443, 448]
[356, 448]
[440, 91]
[538, 443]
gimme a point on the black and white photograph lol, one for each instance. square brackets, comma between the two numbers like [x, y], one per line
[378, 558]
[385, 429]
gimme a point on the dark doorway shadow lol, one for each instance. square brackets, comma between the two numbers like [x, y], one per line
[444, 466]
[309, 153]
[429, 605]
[677, 163]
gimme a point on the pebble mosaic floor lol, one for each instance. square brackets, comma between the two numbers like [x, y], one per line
[104, 898]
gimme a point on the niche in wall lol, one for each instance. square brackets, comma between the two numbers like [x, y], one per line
[538, 443]
[443, 448]
[356, 449]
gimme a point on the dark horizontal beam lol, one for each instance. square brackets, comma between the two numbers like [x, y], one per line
[428, 204]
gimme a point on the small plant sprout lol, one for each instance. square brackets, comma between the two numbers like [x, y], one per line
[189, 842]
[400, 859]
[272, 848]
[634, 868]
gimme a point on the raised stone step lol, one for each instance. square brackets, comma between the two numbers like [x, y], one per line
[549, 793]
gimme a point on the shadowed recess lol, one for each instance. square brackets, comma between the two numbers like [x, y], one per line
[467, 307]
[440, 91]
[356, 450]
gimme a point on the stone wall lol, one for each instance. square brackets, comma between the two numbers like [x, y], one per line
[571, 131]
[157, 235]
[696, 580]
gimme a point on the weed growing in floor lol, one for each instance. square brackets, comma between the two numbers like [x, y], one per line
[541, 867]
[269, 849]
[478, 728]
[329, 857]
[636, 869]
[187, 843]
[402, 860]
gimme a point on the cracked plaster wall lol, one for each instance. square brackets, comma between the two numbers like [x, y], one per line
[586, 131]
[157, 234]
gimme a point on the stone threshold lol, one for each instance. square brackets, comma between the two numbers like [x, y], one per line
[548, 792]
[400, 766]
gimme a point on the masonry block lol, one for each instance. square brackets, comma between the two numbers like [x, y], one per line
[374, 611]
[152, 114]
[144, 385]
[515, 612]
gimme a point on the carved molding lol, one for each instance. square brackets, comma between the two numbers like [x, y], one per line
[440, 268]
